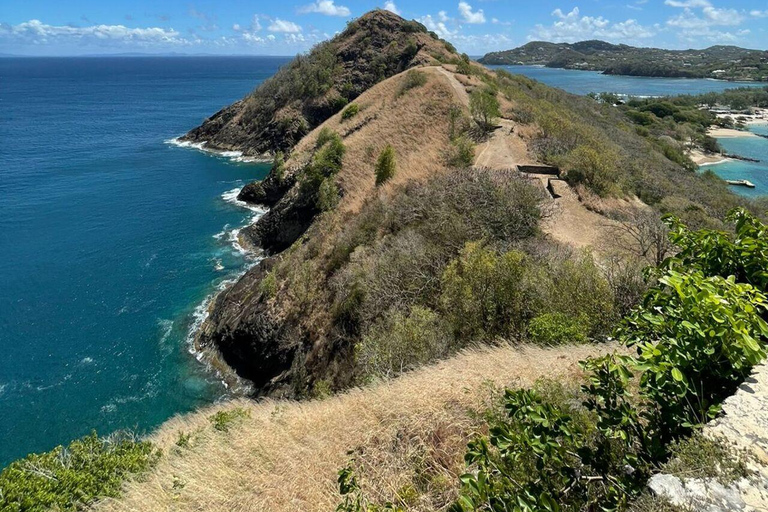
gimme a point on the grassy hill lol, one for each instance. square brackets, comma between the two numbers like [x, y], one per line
[723, 62]
[312, 87]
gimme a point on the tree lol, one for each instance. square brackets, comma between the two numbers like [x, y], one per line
[484, 108]
[385, 165]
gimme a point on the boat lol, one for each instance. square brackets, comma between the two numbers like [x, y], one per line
[741, 183]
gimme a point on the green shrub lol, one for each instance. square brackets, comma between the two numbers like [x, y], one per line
[484, 108]
[70, 478]
[462, 152]
[328, 195]
[223, 420]
[464, 67]
[268, 285]
[325, 164]
[483, 294]
[350, 111]
[413, 79]
[557, 329]
[400, 342]
[385, 165]
[594, 167]
[278, 166]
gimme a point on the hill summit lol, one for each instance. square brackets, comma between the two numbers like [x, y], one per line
[311, 88]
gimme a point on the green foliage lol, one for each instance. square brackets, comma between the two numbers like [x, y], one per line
[278, 166]
[464, 67]
[385, 165]
[325, 164]
[557, 328]
[400, 342]
[698, 333]
[462, 152]
[70, 478]
[483, 295]
[268, 285]
[328, 195]
[349, 112]
[223, 420]
[594, 167]
[484, 108]
[413, 79]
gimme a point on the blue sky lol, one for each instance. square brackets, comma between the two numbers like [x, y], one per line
[287, 27]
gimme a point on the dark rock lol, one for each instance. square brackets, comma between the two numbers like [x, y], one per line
[243, 329]
[268, 191]
[283, 224]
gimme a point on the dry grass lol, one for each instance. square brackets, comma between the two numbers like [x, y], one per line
[407, 436]
[415, 124]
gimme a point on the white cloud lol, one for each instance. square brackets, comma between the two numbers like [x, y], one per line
[469, 16]
[287, 27]
[759, 14]
[327, 7]
[438, 27]
[573, 27]
[37, 32]
[390, 6]
[443, 16]
[687, 3]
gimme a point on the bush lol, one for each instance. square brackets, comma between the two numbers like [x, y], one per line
[328, 196]
[484, 108]
[325, 164]
[594, 167]
[223, 420]
[70, 478]
[399, 342]
[412, 79]
[464, 67]
[385, 165]
[462, 153]
[483, 294]
[278, 166]
[350, 111]
[557, 329]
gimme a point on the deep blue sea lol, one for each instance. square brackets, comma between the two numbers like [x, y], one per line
[110, 238]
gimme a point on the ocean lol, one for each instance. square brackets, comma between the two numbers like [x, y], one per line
[113, 238]
[756, 172]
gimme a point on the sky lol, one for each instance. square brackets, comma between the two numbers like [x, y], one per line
[288, 27]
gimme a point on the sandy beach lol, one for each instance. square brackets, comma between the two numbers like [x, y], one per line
[729, 133]
[700, 158]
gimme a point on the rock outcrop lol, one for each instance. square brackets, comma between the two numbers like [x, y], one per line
[743, 426]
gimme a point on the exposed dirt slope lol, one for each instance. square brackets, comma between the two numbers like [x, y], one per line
[409, 432]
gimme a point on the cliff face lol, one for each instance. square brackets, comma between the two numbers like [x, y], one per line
[313, 87]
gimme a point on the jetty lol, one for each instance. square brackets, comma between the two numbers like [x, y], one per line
[741, 183]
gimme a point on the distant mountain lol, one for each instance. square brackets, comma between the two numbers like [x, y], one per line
[723, 62]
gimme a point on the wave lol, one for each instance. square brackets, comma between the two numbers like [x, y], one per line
[234, 156]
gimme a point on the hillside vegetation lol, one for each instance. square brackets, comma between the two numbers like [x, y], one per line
[311, 88]
[723, 62]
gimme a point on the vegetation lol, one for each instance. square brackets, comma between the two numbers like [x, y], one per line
[484, 108]
[278, 166]
[350, 111]
[223, 420]
[724, 62]
[697, 335]
[316, 182]
[69, 478]
[385, 165]
[462, 153]
[413, 79]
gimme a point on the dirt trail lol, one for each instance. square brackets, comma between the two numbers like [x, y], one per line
[570, 221]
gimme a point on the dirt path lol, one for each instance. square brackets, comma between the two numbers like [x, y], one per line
[461, 91]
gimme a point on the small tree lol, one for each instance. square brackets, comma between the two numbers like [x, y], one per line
[484, 108]
[278, 166]
[385, 165]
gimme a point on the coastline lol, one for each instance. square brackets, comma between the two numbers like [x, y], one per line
[730, 133]
[233, 155]
[703, 159]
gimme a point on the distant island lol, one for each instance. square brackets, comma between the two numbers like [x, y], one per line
[721, 62]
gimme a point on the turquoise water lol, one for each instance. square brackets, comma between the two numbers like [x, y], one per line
[756, 172]
[584, 82]
[110, 239]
